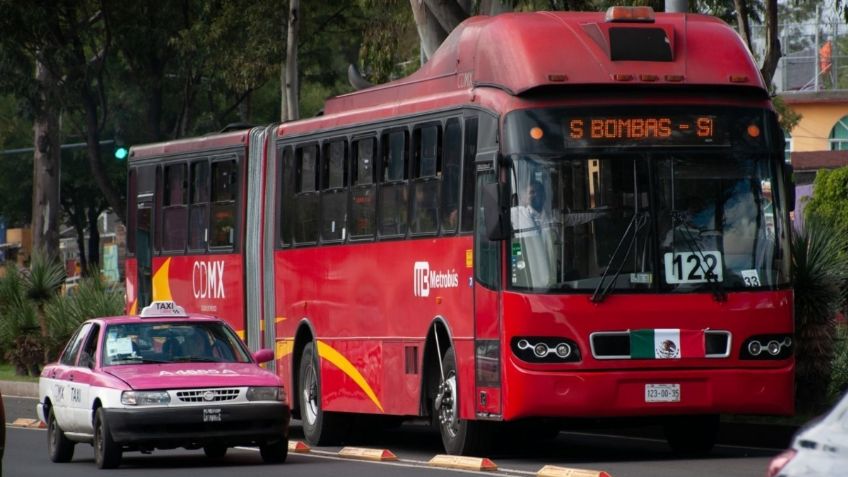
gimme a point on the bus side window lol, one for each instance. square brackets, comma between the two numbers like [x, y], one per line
[287, 194]
[425, 185]
[363, 195]
[393, 189]
[174, 202]
[306, 195]
[198, 228]
[334, 191]
[224, 198]
[451, 168]
[468, 169]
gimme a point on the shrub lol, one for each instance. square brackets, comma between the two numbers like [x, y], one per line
[839, 375]
[19, 331]
[91, 298]
[820, 267]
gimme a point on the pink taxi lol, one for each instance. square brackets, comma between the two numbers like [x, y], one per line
[161, 380]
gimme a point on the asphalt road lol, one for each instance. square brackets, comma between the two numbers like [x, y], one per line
[414, 444]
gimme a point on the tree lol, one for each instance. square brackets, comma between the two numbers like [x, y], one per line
[292, 91]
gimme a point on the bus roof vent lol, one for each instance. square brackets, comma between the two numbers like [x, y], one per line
[639, 44]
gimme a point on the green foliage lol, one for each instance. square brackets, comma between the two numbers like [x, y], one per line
[820, 272]
[787, 116]
[839, 375]
[830, 198]
[19, 337]
[91, 298]
[44, 278]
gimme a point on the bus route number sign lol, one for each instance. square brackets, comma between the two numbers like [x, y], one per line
[672, 130]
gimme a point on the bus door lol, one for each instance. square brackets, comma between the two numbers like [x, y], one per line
[487, 282]
[144, 252]
[145, 203]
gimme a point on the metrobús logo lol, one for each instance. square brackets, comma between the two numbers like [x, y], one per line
[423, 279]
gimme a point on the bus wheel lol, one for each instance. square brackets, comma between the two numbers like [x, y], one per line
[691, 435]
[320, 428]
[460, 437]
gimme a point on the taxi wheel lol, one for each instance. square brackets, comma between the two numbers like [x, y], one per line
[691, 435]
[459, 436]
[320, 428]
[215, 451]
[274, 452]
[107, 453]
[60, 448]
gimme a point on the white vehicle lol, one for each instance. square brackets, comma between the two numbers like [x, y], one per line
[160, 381]
[820, 449]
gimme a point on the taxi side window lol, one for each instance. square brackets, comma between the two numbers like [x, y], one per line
[87, 357]
[69, 356]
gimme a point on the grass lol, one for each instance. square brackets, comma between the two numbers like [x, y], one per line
[7, 373]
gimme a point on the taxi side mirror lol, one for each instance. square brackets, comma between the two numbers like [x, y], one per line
[263, 355]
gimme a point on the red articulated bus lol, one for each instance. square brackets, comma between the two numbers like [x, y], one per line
[560, 215]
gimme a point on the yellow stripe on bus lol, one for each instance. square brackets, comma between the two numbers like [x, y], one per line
[133, 308]
[284, 348]
[327, 352]
[161, 284]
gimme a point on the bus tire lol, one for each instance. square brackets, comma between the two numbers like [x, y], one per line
[320, 428]
[459, 436]
[59, 447]
[691, 435]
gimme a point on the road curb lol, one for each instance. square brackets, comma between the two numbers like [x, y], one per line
[19, 388]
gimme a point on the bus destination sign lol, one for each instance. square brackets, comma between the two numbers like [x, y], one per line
[671, 130]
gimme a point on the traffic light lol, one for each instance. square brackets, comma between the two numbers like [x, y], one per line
[121, 153]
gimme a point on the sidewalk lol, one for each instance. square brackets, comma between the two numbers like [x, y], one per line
[19, 389]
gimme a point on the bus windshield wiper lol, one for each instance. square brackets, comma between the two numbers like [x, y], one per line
[712, 279]
[638, 221]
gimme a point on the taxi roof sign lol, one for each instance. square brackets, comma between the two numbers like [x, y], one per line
[162, 308]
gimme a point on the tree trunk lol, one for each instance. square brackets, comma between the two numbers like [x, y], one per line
[94, 160]
[80, 231]
[448, 13]
[430, 32]
[46, 167]
[292, 87]
[772, 43]
[742, 23]
[493, 7]
[93, 242]
[283, 108]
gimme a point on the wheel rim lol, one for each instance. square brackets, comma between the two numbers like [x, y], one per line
[310, 395]
[447, 407]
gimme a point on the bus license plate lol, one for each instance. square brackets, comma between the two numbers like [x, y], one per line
[662, 393]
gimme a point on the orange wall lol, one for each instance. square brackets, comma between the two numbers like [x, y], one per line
[812, 132]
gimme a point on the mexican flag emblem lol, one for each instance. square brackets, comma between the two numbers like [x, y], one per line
[666, 344]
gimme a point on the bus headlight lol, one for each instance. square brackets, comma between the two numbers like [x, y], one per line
[767, 347]
[265, 393]
[145, 398]
[547, 349]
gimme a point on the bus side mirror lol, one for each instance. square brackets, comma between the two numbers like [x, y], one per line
[789, 185]
[494, 216]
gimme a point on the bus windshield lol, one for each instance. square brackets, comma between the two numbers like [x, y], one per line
[674, 221]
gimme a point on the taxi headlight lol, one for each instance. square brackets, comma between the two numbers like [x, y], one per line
[255, 393]
[145, 398]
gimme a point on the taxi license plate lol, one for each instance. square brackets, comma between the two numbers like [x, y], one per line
[662, 393]
[212, 415]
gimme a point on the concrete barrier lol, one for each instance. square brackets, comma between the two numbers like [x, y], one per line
[19, 388]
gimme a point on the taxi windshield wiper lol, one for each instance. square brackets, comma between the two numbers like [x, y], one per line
[716, 286]
[202, 359]
[136, 360]
[637, 222]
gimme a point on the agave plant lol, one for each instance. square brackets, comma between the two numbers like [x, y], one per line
[19, 337]
[64, 314]
[43, 281]
[820, 271]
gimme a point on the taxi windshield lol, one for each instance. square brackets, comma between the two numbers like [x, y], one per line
[171, 342]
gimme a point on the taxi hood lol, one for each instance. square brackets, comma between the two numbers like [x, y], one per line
[192, 375]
